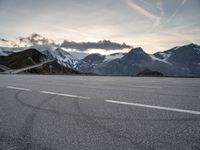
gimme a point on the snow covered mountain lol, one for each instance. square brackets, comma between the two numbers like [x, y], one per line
[178, 61]
[113, 56]
[43, 45]
[92, 62]
[64, 58]
[182, 60]
[67, 57]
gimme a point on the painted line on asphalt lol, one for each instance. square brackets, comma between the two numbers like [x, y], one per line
[148, 87]
[155, 107]
[66, 95]
[18, 88]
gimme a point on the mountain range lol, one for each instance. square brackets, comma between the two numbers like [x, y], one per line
[177, 61]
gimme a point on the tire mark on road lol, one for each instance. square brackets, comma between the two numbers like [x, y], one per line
[25, 134]
[94, 123]
[43, 109]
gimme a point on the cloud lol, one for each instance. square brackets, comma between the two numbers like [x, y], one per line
[159, 6]
[176, 11]
[143, 11]
[105, 45]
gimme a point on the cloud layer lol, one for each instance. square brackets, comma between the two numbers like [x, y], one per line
[152, 24]
[105, 45]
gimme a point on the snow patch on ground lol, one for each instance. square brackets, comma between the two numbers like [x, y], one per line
[198, 50]
[113, 56]
[158, 59]
[177, 47]
[165, 55]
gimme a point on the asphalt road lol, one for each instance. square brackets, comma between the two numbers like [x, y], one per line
[89, 112]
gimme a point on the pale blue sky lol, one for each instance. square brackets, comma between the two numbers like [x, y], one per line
[153, 24]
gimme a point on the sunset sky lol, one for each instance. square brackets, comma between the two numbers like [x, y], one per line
[154, 25]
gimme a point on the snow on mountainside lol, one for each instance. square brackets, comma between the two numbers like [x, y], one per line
[93, 61]
[42, 44]
[64, 58]
[177, 61]
[114, 56]
[103, 58]
[187, 53]
[164, 60]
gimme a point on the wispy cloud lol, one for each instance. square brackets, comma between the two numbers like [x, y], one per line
[152, 24]
[143, 11]
[176, 11]
[159, 6]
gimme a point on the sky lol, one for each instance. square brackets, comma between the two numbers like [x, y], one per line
[155, 25]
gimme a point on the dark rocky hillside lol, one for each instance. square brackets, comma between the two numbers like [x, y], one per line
[52, 68]
[22, 59]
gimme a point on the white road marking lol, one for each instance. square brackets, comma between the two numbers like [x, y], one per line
[66, 95]
[155, 107]
[140, 86]
[18, 88]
